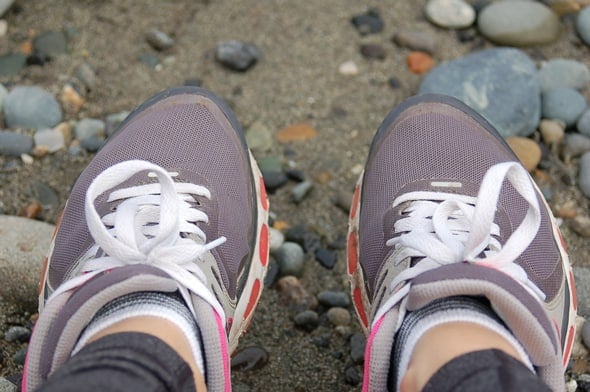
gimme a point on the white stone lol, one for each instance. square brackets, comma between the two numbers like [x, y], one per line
[52, 139]
[453, 14]
[3, 27]
[348, 68]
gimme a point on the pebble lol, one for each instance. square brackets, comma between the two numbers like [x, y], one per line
[22, 249]
[558, 73]
[291, 259]
[17, 334]
[368, 23]
[274, 180]
[259, 137]
[552, 131]
[500, 83]
[158, 39]
[343, 200]
[50, 44]
[270, 164]
[527, 151]
[149, 59]
[348, 68]
[373, 51]
[352, 376]
[295, 175]
[249, 358]
[237, 55]
[583, 25]
[71, 99]
[276, 239]
[575, 145]
[85, 73]
[11, 64]
[420, 62]
[45, 195]
[31, 107]
[19, 356]
[339, 316]
[52, 139]
[272, 275]
[3, 93]
[394, 83]
[519, 23]
[89, 127]
[307, 320]
[581, 225]
[301, 190]
[565, 104]
[326, 258]
[415, 40]
[357, 348]
[3, 27]
[583, 124]
[14, 144]
[332, 299]
[5, 6]
[452, 14]
[113, 121]
[7, 386]
[92, 143]
[293, 293]
[584, 174]
[306, 238]
[297, 133]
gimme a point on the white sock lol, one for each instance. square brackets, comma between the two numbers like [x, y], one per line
[168, 306]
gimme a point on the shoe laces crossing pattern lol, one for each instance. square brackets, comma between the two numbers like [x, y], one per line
[154, 224]
[444, 228]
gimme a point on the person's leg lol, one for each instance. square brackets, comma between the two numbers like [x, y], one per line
[448, 230]
[164, 235]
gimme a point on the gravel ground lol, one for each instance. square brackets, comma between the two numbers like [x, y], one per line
[296, 80]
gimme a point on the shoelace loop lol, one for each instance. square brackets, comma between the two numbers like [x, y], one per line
[150, 225]
[445, 228]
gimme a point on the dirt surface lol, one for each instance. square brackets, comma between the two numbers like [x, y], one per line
[296, 80]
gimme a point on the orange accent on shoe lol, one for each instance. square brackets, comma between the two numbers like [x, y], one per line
[358, 303]
[568, 346]
[263, 251]
[263, 196]
[574, 291]
[253, 298]
[355, 201]
[352, 253]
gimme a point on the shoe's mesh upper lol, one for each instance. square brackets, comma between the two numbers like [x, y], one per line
[433, 142]
[184, 133]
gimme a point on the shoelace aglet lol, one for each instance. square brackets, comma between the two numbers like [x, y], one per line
[215, 243]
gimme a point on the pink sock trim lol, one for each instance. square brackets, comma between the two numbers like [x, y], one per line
[367, 367]
[224, 352]
[23, 383]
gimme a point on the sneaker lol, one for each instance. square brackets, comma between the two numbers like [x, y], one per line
[444, 208]
[173, 202]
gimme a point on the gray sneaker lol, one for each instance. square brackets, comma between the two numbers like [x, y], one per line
[174, 201]
[444, 209]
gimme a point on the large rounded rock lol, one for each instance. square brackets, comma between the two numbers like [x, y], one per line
[500, 83]
[583, 25]
[31, 107]
[558, 73]
[519, 23]
[22, 250]
[564, 104]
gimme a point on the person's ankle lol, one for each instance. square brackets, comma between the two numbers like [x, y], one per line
[445, 342]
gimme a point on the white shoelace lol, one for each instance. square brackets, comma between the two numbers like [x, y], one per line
[149, 226]
[445, 228]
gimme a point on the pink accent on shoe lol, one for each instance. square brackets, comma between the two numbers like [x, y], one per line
[23, 383]
[367, 367]
[224, 352]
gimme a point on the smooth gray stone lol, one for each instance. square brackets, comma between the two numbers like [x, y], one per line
[14, 144]
[575, 144]
[22, 251]
[564, 104]
[452, 14]
[11, 64]
[52, 139]
[7, 386]
[582, 278]
[584, 174]
[500, 83]
[3, 93]
[415, 40]
[31, 107]
[583, 25]
[583, 124]
[519, 23]
[89, 127]
[558, 73]
[159, 40]
[237, 55]
[51, 44]
[291, 259]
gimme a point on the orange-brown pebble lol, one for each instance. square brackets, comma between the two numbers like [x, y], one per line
[566, 212]
[527, 150]
[323, 177]
[31, 210]
[297, 133]
[420, 62]
[26, 48]
[71, 99]
[280, 225]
